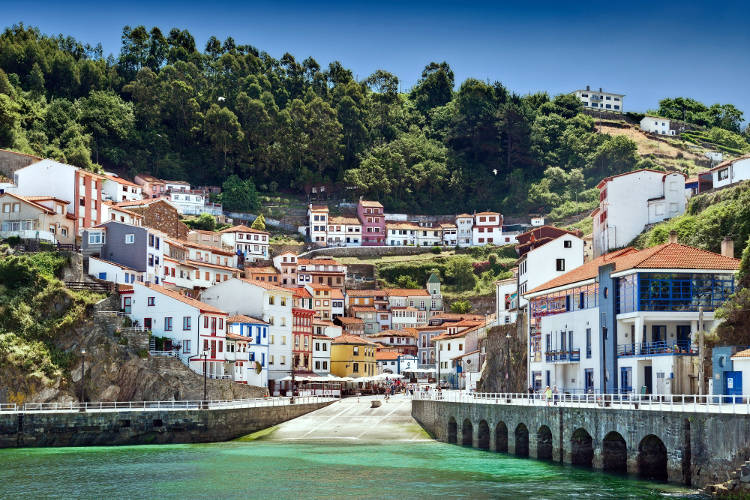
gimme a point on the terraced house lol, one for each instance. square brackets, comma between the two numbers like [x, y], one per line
[633, 314]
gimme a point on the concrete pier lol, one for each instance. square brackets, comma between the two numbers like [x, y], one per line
[151, 426]
[690, 448]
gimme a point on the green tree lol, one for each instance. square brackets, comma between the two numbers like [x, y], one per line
[460, 273]
[223, 130]
[239, 196]
[406, 281]
[259, 223]
[461, 307]
[205, 222]
[435, 88]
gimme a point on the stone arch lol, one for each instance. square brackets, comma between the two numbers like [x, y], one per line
[614, 453]
[522, 440]
[501, 437]
[483, 437]
[467, 433]
[582, 448]
[544, 443]
[652, 458]
[452, 431]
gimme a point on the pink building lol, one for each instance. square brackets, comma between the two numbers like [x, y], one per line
[371, 216]
[151, 186]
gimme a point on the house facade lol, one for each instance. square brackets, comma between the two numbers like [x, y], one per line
[135, 247]
[317, 216]
[487, 229]
[35, 218]
[725, 174]
[628, 202]
[631, 314]
[117, 189]
[344, 232]
[601, 100]
[657, 125]
[465, 232]
[151, 187]
[251, 244]
[352, 356]
[321, 271]
[321, 354]
[248, 349]
[370, 214]
[286, 264]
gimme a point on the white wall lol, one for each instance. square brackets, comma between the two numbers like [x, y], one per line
[112, 273]
[656, 125]
[541, 263]
[738, 171]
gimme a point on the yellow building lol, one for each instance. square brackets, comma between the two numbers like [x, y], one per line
[352, 356]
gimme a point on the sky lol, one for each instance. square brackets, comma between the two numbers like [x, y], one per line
[645, 50]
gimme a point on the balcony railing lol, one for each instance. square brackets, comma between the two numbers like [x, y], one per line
[660, 348]
[561, 356]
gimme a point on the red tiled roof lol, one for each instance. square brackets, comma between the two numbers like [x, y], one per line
[327, 261]
[200, 263]
[208, 248]
[407, 292]
[241, 318]
[386, 355]
[186, 300]
[370, 204]
[352, 221]
[30, 202]
[665, 256]
[404, 332]
[366, 293]
[301, 292]
[729, 162]
[45, 198]
[487, 213]
[266, 285]
[350, 320]
[120, 180]
[337, 294]
[742, 354]
[242, 229]
[262, 270]
[348, 338]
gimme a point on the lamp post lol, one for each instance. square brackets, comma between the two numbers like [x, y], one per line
[204, 354]
[294, 365]
[83, 371]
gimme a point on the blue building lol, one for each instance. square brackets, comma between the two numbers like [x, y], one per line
[247, 350]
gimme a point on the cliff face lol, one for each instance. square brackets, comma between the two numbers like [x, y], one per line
[505, 363]
[44, 330]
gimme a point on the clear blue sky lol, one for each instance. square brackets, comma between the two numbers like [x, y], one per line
[646, 50]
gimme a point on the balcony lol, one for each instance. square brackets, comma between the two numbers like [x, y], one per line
[659, 348]
[562, 356]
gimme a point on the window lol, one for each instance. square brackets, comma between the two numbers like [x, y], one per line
[560, 264]
[588, 343]
[270, 300]
[283, 360]
[186, 323]
[96, 238]
[186, 347]
[355, 368]
[723, 174]
[151, 301]
[567, 244]
[168, 324]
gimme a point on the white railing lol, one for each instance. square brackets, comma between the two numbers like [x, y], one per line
[711, 403]
[110, 406]
[171, 354]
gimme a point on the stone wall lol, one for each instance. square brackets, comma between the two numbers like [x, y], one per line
[10, 161]
[499, 363]
[163, 217]
[141, 427]
[701, 448]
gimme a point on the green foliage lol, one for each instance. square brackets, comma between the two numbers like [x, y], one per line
[405, 281]
[724, 116]
[436, 249]
[461, 307]
[259, 223]
[708, 219]
[238, 195]
[205, 222]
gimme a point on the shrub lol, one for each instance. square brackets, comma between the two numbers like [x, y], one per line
[461, 307]
[436, 249]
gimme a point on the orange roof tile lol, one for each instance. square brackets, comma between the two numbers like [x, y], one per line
[337, 294]
[301, 292]
[348, 338]
[199, 263]
[267, 285]
[742, 354]
[186, 300]
[120, 180]
[240, 228]
[350, 320]
[405, 332]
[407, 292]
[327, 261]
[386, 355]
[30, 202]
[366, 293]
[352, 221]
[370, 204]
[241, 318]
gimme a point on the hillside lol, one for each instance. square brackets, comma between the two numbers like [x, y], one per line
[708, 219]
[44, 326]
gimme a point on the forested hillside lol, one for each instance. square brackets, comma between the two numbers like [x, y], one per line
[164, 106]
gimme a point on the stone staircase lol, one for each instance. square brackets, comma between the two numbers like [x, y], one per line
[738, 485]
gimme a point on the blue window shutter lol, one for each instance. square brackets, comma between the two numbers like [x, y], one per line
[102, 276]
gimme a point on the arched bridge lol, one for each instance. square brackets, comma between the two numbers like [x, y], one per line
[689, 444]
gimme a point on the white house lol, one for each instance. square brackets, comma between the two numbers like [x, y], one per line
[487, 229]
[628, 202]
[197, 331]
[657, 125]
[506, 300]
[728, 172]
[464, 223]
[262, 300]
[182, 186]
[321, 355]
[246, 241]
[344, 232]
[546, 252]
[187, 202]
[395, 362]
[450, 234]
[113, 272]
[612, 316]
[251, 360]
[117, 189]
[600, 100]
[449, 348]
[112, 212]
[401, 233]
[317, 216]
[80, 188]
[429, 236]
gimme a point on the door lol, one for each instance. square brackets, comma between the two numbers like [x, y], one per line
[683, 336]
[626, 379]
[126, 304]
[547, 372]
[588, 378]
[732, 386]
[147, 323]
[647, 380]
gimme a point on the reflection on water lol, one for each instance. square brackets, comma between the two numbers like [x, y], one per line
[295, 470]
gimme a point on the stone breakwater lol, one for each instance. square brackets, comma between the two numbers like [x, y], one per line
[691, 448]
[109, 428]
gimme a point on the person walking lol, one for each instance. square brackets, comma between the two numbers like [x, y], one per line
[531, 395]
[548, 394]
[556, 395]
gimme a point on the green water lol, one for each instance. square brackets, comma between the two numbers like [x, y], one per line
[280, 470]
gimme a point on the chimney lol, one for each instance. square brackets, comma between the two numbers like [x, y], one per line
[588, 87]
[727, 247]
[600, 89]
[673, 236]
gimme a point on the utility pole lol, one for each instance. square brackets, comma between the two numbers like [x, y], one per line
[700, 351]
[83, 372]
[205, 370]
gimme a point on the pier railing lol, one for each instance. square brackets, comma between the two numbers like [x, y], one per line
[711, 403]
[111, 406]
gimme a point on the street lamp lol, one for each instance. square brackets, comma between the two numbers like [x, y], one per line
[204, 354]
[83, 371]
